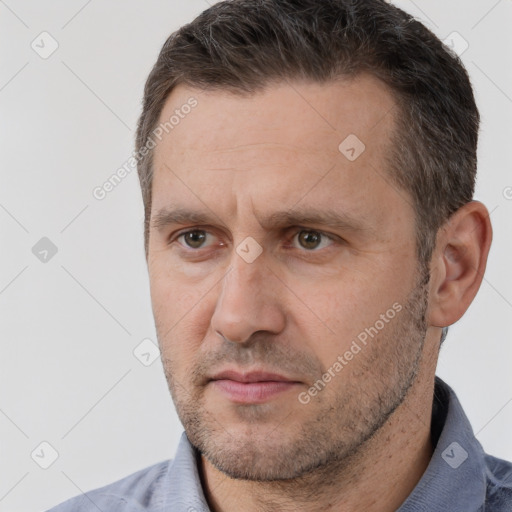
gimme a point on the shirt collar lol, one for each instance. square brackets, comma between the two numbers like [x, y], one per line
[454, 479]
[185, 493]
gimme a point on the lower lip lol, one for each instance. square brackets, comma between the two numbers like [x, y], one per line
[252, 392]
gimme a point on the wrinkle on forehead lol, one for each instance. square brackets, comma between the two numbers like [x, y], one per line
[257, 156]
[265, 145]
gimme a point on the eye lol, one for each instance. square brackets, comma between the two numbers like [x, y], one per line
[308, 239]
[312, 240]
[194, 239]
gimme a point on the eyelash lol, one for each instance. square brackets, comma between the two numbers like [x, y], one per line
[297, 231]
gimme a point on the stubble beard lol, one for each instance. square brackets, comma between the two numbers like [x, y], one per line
[335, 435]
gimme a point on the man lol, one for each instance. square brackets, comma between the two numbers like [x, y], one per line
[307, 170]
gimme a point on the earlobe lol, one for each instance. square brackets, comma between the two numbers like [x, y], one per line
[459, 260]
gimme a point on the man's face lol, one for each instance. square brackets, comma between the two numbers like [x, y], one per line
[285, 286]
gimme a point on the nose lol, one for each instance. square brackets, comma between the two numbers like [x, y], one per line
[248, 301]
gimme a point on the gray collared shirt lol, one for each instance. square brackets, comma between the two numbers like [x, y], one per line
[459, 478]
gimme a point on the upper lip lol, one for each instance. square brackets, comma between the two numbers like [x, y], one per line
[252, 376]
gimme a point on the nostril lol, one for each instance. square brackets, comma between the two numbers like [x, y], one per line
[227, 339]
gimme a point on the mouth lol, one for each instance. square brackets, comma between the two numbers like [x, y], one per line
[254, 387]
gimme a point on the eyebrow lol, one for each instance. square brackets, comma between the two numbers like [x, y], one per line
[299, 216]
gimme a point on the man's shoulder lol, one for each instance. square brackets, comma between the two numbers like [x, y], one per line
[136, 492]
[499, 484]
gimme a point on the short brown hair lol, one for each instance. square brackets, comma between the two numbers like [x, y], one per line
[244, 45]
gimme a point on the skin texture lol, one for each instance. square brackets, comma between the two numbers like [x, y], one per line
[302, 302]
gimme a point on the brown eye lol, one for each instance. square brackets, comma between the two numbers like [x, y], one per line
[309, 239]
[194, 239]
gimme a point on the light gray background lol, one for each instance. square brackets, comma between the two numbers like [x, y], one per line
[68, 375]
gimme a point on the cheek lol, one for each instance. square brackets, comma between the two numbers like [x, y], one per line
[182, 315]
[173, 296]
[338, 312]
[180, 343]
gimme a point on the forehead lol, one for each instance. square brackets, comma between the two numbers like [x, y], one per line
[288, 143]
[319, 114]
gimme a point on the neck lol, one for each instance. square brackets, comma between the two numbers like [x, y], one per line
[377, 478]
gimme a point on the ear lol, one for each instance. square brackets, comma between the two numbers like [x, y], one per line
[458, 263]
